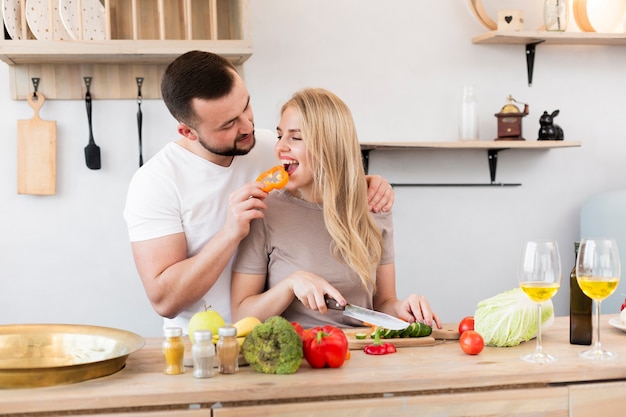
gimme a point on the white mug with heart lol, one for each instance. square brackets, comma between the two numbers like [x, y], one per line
[511, 20]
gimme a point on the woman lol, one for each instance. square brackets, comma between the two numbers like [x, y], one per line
[318, 236]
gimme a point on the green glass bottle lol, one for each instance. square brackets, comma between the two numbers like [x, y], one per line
[579, 310]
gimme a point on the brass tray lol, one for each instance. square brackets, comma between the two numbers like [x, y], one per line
[39, 355]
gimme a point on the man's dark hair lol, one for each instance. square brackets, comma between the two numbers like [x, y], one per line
[195, 74]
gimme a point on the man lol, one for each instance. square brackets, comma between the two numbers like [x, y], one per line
[189, 206]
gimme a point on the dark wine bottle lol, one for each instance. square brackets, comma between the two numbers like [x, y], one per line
[579, 310]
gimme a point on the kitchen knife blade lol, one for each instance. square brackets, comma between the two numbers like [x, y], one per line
[369, 316]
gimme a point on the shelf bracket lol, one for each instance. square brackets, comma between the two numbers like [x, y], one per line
[530, 60]
[365, 157]
[492, 156]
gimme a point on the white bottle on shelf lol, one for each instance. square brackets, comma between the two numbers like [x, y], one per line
[468, 118]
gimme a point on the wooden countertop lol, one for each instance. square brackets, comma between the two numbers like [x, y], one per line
[440, 368]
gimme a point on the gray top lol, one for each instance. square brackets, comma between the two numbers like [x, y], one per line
[292, 237]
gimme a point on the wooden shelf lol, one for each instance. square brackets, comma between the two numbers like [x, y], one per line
[113, 64]
[142, 37]
[533, 38]
[550, 38]
[473, 144]
[17, 52]
[492, 148]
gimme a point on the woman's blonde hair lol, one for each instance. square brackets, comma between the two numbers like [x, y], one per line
[330, 136]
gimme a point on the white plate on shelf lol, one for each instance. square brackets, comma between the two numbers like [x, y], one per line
[93, 16]
[615, 322]
[12, 15]
[38, 17]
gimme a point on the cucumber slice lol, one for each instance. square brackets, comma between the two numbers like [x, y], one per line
[360, 336]
[425, 330]
[386, 333]
[406, 332]
[416, 327]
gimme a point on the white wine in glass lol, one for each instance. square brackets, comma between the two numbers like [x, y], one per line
[540, 278]
[598, 271]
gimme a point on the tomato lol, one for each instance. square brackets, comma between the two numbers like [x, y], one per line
[466, 324]
[471, 342]
[623, 305]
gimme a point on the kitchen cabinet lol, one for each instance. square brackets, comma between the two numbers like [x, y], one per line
[141, 38]
[415, 381]
[592, 400]
[492, 148]
[533, 38]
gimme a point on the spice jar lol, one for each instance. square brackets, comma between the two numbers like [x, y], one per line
[174, 350]
[203, 354]
[228, 350]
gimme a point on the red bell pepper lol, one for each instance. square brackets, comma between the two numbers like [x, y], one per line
[324, 347]
[378, 348]
[298, 328]
[273, 178]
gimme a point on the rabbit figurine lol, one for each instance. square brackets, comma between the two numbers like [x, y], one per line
[548, 130]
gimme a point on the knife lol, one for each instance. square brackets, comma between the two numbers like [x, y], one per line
[369, 316]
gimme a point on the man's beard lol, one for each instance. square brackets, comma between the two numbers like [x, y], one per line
[230, 151]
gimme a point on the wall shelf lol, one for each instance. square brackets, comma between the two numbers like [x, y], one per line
[492, 148]
[113, 64]
[142, 38]
[533, 38]
[549, 38]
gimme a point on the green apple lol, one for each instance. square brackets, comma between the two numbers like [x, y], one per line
[205, 320]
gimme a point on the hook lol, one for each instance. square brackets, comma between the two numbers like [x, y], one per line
[35, 86]
[139, 84]
[87, 82]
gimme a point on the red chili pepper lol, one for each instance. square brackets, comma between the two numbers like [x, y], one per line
[378, 348]
[382, 349]
[323, 347]
[273, 178]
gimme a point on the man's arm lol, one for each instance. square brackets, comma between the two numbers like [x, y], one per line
[172, 280]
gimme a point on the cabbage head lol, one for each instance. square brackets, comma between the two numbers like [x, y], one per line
[510, 318]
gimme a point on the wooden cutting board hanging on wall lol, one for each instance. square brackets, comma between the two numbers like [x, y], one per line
[36, 152]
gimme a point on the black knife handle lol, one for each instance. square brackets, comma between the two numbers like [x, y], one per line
[332, 303]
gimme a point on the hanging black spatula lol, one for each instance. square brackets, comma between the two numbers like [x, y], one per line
[92, 151]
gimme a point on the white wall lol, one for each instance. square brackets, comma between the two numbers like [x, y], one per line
[401, 66]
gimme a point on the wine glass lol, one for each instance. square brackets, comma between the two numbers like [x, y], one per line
[540, 278]
[598, 271]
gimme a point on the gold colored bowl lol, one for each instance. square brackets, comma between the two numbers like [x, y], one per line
[39, 355]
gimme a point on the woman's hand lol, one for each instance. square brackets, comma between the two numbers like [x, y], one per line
[310, 289]
[417, 308]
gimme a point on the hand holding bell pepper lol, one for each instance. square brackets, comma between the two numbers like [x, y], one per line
[273, 178]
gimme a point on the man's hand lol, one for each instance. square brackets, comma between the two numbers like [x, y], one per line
[244, 205]
[379, 193]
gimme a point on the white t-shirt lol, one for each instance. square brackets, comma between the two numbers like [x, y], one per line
[178, 191]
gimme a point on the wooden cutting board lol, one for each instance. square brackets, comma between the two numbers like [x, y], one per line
[36, 152]
[448, 332]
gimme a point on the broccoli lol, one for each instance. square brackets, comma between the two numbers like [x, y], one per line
[273, 347]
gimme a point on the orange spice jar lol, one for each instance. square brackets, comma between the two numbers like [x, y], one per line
[174, 351]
